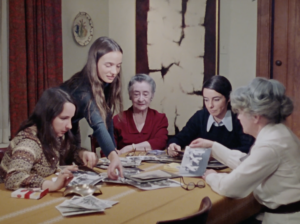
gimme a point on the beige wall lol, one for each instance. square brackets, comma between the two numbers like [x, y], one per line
[122, 29]
[238, 22]
[116, 18]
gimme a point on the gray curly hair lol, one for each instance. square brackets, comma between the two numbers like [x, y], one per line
[263, 97]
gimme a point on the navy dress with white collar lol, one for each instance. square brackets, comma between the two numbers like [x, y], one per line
[228, 132]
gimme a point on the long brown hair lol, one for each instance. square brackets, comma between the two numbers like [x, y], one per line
[114, 103]
[48, 107]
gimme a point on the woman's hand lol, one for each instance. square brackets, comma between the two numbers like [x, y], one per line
[172, 149]
[89, 159]
[115, 168]
[207, 172]
[63, 179]
[125, 149]
[201, 143]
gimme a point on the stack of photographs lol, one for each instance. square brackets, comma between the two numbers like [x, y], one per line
[151, 176]
[153, 180]
[85, 177]
[83, 205]
[148, 180]
[134, 161]
[153, 185]
[126, 172]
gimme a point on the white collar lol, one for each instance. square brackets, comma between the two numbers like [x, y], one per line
[226, 121]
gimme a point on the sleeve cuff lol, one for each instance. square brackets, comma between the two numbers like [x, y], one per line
[230, 158]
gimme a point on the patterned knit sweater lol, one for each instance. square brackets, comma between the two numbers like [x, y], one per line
[24, 164]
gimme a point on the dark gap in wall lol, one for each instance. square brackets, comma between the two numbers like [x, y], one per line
[164, 70]
[183, 25]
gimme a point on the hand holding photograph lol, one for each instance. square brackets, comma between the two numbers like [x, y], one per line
[194, 161]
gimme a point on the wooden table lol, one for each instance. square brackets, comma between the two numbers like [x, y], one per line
[135, 206]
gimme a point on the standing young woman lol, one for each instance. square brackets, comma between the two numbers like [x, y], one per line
[96, 90]
[42, 143]
[214, 122]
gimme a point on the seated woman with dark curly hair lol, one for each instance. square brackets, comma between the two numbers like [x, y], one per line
[44, 142]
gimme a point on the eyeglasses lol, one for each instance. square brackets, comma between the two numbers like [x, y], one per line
[190, 186]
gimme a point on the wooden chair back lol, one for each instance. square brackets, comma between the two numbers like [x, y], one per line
[199, 217]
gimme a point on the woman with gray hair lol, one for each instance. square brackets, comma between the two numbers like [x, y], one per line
[272, 170]
[140, 128]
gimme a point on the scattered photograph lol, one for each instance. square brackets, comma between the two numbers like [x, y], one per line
[194, 161]
[131, 171]
[156, 152]
[131, 161]
[81, 172]
[118, 181]
[155, 185]
[83, 205]
[126, 162]
[144, 158]
[89, 202]
[86, 178]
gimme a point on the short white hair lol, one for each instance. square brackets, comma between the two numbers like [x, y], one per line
[142, 78]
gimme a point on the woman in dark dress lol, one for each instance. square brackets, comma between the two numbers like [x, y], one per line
[214, 122]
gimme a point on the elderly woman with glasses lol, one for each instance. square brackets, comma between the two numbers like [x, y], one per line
[272, 169]
[140, 128]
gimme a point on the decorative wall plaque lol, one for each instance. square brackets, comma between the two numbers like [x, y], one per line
[83, 28]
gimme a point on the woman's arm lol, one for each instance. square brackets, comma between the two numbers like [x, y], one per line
[89, 159]
[19, 172]
[25, 156]
[139, 147]
[111, 132]
[63, 179]
[190, 132]
[261, 163]
[231, 158]
[104, 139]
[101, 133]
